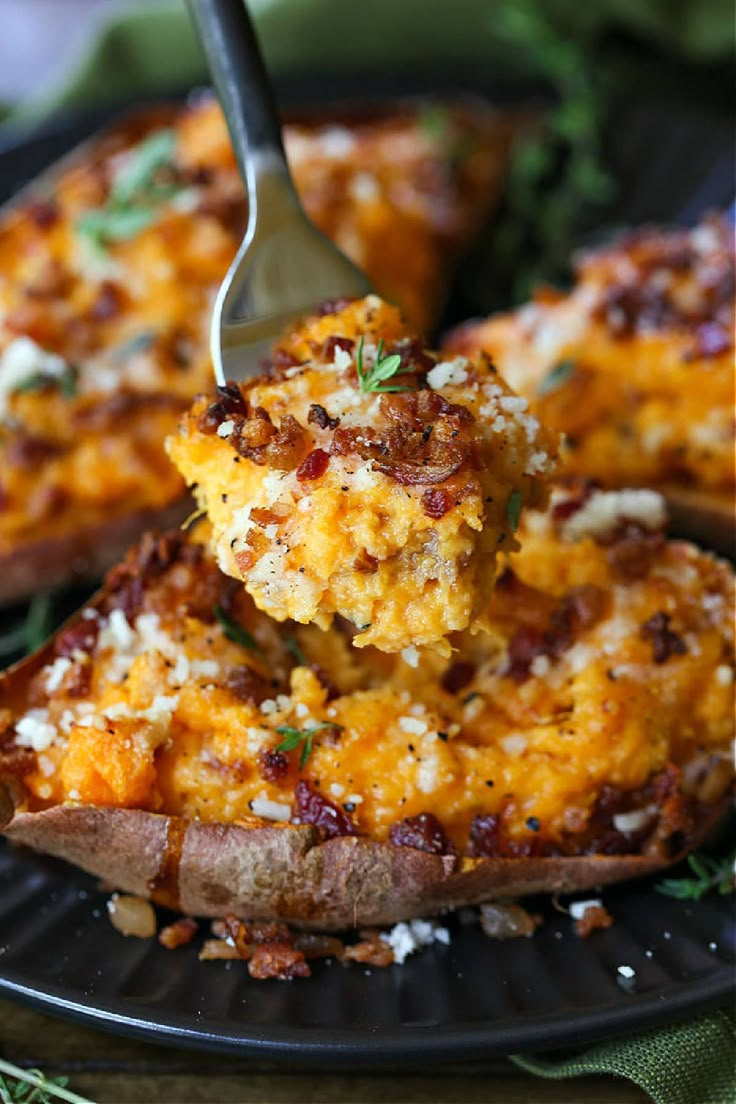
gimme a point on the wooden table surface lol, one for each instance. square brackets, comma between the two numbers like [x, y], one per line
[111, 1070]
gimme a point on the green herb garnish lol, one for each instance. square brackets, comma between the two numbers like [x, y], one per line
[65, 382]
[235, 632]
[292, 645]
[19, 1086]
[138, 343]
[293, 737]
[146, 179]
[710, 874]
[513, 510]
[32, 631]
[433, 120]
[385, 368]
[557, 377]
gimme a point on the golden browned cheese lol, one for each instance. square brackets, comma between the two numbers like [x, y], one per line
[635, 365]
[107, 280]
[384, 500]
[583, 723]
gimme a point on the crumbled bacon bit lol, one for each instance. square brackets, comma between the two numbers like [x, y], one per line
[248, 685]
[404, 451]
[29, 450]
[80, 636]
[595, 918]
[579, 494]
[711, 339]
[318, 416]
[633, 551]
[371, 951]
[257, 439]
[313, 466]
[43, 212]
[108, 302]
[579, 608]
[507, 921]
[664, 641]
[436, 502]
[77, 681]
[272, 765]
[230, 401]
[485, 836]
[178, 934]
[333, 342]
[333, 306]
[423, 832]
[314, 945]
[214, 950]
[281, 961]
[457, 676]
[312, 807]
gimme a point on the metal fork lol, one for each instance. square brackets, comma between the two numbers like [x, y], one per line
[285, 267]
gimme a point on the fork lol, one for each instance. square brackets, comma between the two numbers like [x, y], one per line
[285, 267]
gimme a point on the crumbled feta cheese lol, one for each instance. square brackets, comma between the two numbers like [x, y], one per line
[364, 188]
[270, 810]
[225, 429]
[513, 744]
[413, 725]
[633, 821]
[604, 511]
[577, 908]
[410, 656]
[448, 371]
[406, 938]
[116, 633]
[626, 971]
[336, 789]
[54, 674]
[341, 359]
[724, 675]
[21, 360]
[34, 730]
[539, 666]
[336, 142]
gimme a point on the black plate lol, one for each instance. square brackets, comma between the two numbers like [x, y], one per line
[472, 999]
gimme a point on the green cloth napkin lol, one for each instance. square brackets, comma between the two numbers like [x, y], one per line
[150, 48]
[686, 1063]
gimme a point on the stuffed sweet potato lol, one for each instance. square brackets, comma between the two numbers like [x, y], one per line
[362, 476]
[107, 275]
[177, 742]
[635, 367]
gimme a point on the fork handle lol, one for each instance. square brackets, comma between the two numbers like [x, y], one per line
[244, 89]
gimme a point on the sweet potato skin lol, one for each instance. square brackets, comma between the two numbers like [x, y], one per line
[287, 873]
[703, 516]
[82, 555]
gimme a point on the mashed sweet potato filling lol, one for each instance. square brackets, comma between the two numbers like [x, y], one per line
[384, 502]
[603, 691]
[635, 365]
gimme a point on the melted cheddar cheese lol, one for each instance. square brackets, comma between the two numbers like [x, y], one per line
[385, 506]
[608, 668]
[635, 365]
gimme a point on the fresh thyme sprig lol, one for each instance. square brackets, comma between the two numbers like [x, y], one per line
[557, 377]
[384, 368]
[513, 510]
[146, 179]
[33, 630]
[31, 1087]
[235, 632]
[65, 382]
[710, 874]
[293, 737]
